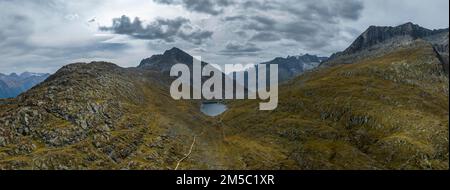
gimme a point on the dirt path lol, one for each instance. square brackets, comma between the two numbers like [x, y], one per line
[188, 154]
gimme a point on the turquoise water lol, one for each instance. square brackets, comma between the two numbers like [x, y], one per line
[213, 109]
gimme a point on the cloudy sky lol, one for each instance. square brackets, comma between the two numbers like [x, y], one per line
[43, 35]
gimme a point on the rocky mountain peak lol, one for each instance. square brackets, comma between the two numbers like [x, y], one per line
[379, 40]
[15, 75]
[175, 52]
[378, 34]
[163, 62]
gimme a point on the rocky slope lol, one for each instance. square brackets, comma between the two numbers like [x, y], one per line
[101, 116]
[440, 44]
[378, 41]
[389, 112]
[13, 84]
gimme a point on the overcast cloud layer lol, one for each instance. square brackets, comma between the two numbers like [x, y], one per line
[43, 35]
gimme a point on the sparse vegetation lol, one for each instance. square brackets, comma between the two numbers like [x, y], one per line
[389, 112]
[385, 113]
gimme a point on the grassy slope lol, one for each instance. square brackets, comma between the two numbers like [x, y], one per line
[385, 113]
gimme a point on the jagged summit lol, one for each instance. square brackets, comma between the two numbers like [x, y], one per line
[379, 40]
[163, 62]
[378, 34]
[174, 51]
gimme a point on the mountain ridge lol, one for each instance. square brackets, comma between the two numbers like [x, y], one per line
[14, 84]
[378, 34]
[378, 40]
[293, 66]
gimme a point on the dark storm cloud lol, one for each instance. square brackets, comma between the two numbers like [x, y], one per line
[302, 31]
[350, 9]
[212, 7]
[241, 33]
[265, 37]
[264, 20]
[196, 37]
[234, 48]
[310, 9]
[329, 12]
[310, 22]
[260, 5]
[235, 18]
[167, 30]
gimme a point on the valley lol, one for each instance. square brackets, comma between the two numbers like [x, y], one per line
[380, 105]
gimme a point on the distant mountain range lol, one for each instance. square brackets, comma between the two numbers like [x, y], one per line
[380, 104]
[288, 68]
[293, 66]
[13, 84]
